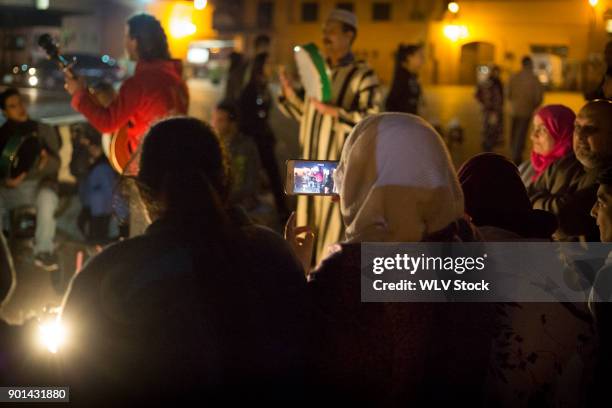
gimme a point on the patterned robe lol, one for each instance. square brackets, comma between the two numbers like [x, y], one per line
[355, 90]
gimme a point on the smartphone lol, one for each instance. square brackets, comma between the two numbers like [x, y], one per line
[311, 177]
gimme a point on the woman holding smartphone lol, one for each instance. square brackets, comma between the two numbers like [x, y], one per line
[396, 183]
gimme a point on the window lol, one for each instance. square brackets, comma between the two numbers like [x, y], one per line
[348, 6]
[265, 14]
[310, 12]
[381, 11]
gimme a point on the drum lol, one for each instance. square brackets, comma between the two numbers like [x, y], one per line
[20, 154]
[314, 72]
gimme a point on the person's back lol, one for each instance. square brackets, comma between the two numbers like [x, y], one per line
[154, 320]
[202, 304]
[397, 184]
[525, 93]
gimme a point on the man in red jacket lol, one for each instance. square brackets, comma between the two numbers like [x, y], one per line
[156, 90]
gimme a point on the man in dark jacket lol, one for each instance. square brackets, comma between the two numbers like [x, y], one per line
[36, 187]
[568, 187]
[525, 93]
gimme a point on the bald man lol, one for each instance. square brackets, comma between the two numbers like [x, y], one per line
[568, 187]
[593, 135]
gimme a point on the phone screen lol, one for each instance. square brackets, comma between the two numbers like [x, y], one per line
[311, 177]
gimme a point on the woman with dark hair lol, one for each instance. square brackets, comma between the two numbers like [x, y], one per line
[405, 94]
[204, 302]
[497, 202]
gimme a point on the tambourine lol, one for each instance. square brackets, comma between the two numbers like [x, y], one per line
[20, 154]
[314, 72]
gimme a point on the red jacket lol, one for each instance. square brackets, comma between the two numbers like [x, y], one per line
[156, 90]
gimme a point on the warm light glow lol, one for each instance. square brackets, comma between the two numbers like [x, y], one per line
[181, 21]
[455, 32]
[52, 335]
[181, 28]
[33, 80]
[199, 4]
[609, 26]
[453, 7]
[32, 71]
[198, 55]
[593, 3]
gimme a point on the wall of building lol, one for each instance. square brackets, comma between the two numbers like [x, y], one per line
[512, 27]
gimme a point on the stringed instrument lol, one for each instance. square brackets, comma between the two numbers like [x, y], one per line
[118, 152]
[19, 155]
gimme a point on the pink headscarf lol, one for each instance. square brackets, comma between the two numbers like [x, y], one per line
[559, 121]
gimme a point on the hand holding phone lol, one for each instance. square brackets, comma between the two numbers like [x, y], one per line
[302, 245]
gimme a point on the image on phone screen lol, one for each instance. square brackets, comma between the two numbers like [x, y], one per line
[311, 177]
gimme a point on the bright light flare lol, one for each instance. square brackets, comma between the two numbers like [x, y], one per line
[52, 334]
[455, 32]
[181, 28]
[198, 55]
[33, 80]
[32, 71]
[593, 3]
[200, 4]
[453, 7]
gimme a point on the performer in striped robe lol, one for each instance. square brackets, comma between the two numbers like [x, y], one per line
[324, 127]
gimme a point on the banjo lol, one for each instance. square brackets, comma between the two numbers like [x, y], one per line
[314, 72]
[19, 155]
[116, 146]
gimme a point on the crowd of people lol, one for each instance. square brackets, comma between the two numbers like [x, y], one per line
[206, 304]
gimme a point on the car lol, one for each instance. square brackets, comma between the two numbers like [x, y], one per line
[46, 74]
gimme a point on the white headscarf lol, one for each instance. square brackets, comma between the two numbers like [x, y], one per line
[396, 180]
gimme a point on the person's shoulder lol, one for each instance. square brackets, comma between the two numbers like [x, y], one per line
[343, 257]
[364, 68]
[568, 161]
[525, 166]
[45, 129]
[264, 237]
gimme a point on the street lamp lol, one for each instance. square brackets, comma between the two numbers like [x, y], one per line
[455, 32]
[453, 7]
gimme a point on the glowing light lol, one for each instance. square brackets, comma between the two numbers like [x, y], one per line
[15, 70]
[24, 67]
[181, 21]
[200, 4]
[198, 55]
[33, 81]
[609, 26]
[593, 3]
[182, 28]
[52, 335]
[455, 32]
[42, 4]
[32, 71]
[296, 49]
[454, 7]
[105, 59]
